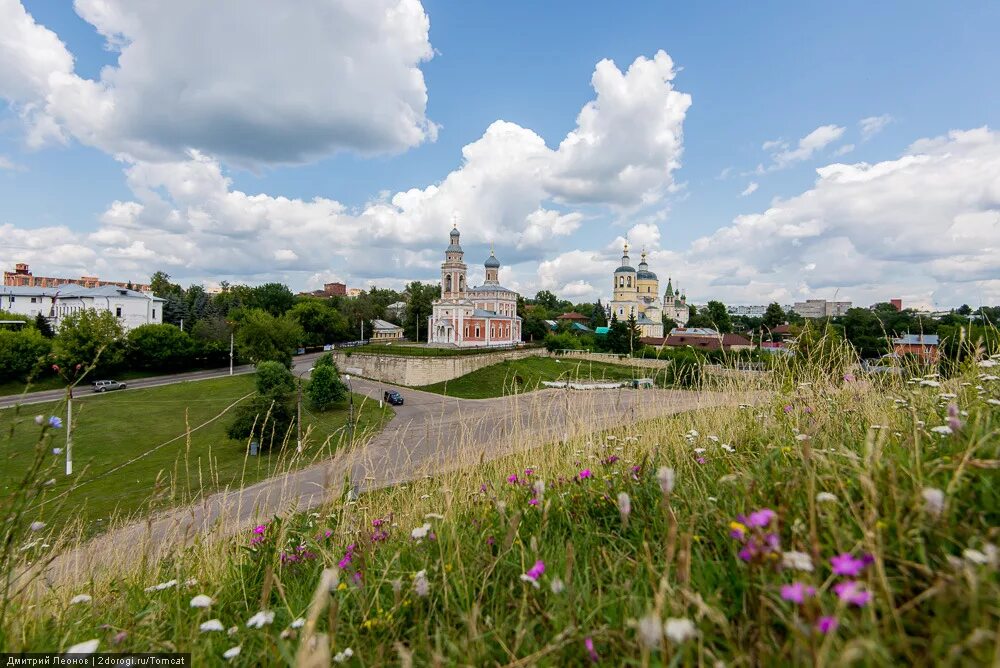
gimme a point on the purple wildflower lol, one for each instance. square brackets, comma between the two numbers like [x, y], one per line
[826, 624]
[55, 422]
[700, 460]
[788, 408]
[848, 377]
[588, 642]
[797, 592]
[852, 592]
[760, 518]
[584, 474]
[846, 564]
[953, 421]
[611, 460]
[512, 478]
[534, 573]
[529, 471]
[533, 502]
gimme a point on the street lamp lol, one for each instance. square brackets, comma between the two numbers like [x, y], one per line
[298, 420]
[350, 394]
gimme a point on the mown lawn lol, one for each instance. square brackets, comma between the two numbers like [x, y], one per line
[130, 452]
[526, 375]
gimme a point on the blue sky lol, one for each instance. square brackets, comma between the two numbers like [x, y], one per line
[754, 74]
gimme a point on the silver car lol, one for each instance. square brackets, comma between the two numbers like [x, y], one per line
[107, 385]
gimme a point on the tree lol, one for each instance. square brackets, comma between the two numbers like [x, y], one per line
[774, 315]
[274, 380]
[175, 310]
[22, 352]
[269, 416]
[90, 338]
[43, 326]
[274, 298]
[599, 318]
[719, 317]
[964, 309]
[419, 298]
[563, 341]
[547, 300]
[159, 347]
[325, 387]
[261, 337]
[320, 324]
[161, 286]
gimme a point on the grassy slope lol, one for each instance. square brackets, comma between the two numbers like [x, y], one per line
[113, 428]
[52, 382]
[526, 375]
[932, 602]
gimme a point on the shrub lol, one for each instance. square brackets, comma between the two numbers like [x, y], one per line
[325, 387]
[562, 341]
[159, 347]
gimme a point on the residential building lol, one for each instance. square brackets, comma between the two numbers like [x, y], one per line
[385, 331]
[354, 293]
[747, 311]
[573, 316]
[924, 346]
[700, 338]
[132, 308]
[636, 294]
[821, 308]
[22, 277]
[483, 316]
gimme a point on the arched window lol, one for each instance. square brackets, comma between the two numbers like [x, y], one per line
[447, 283]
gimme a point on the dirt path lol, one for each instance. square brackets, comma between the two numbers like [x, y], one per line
[429, 434]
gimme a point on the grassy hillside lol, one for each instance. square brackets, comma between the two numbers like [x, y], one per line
[837, 521]
[132, 450]
[526, 375]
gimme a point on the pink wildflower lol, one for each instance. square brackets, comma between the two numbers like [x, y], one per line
[512, 478]
[846, 564]
[584, 474]
[797, 592]
[700, 460]
[534, 573]
[588, 642]
[760, 518]
[533, 502]
[853, 593]
[788, 408]
[826, 624]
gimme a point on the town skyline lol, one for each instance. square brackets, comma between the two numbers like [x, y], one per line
[845, 191]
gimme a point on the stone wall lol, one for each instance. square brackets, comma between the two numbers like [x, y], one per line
[611, 358]
[415, 371]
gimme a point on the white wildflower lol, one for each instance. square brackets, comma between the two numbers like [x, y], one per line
[420, 532]
[699, 451]
[420, 584]
[163, 585]
[665, 476]
[425, 496]
[650, 631]
[993, 402]
[799, 561]
[826, 497]
[713, 438]
[539, 487]
[728, 448]
[986, 364]
[80, 598]
[556, 585]
[933, 500]
[802, 437]
[190, 582]
[201, 601]
[37, 526]
[341, 657]
[211, 625]
[943, 429]
[679, 630]
[930, 383]
[233, 630]
[232, 652]
[88, 647]
[975, 556]
[261, 619]
[624, 505]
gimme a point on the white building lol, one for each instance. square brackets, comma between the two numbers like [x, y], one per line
[483, 316]
[821, 308]
[385, 331]
[132, 308]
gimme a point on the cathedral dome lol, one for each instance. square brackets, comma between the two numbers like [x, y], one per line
[624, 269]
[644, 274]
[492, 262]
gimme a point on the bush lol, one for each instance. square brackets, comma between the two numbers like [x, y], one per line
[325, 388]
[563, 341]
[22, 352]
[90, 339]
[160, 348]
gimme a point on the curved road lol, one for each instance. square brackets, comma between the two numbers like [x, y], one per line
[429, 434]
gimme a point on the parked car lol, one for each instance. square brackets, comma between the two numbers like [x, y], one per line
[107, 385]
[393, 397]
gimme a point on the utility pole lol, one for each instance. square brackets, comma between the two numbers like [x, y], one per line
[69, 431]
[350, 415]
[230, 353]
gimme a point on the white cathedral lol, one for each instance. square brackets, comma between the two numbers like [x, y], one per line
[637, 293]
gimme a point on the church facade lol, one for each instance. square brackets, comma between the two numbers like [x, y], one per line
[481, 316]
[637, 294]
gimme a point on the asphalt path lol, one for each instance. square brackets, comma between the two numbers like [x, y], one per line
[428, 435]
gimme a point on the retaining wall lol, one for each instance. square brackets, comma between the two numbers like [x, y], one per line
[415, 371]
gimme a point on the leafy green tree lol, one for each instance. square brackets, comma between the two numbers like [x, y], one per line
[90, 338]
[719, 317]
[162, 287]
[964, 309]
[274, 298]
[419, 299]
[274, 380]
[547, 300]
[261, 337]
[159, 347]
[320, 323]
[774, 315]
[562, 341]
[22, 353]
[325, 387]
[533, 328]
[43, 326]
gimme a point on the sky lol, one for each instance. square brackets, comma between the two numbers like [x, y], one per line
[768, 152]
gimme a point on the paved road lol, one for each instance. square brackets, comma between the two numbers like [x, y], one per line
[84, 391]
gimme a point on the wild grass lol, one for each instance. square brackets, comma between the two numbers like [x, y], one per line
[677, 540]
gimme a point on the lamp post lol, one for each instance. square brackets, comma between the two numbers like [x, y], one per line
[298, 419]
[350, 394]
